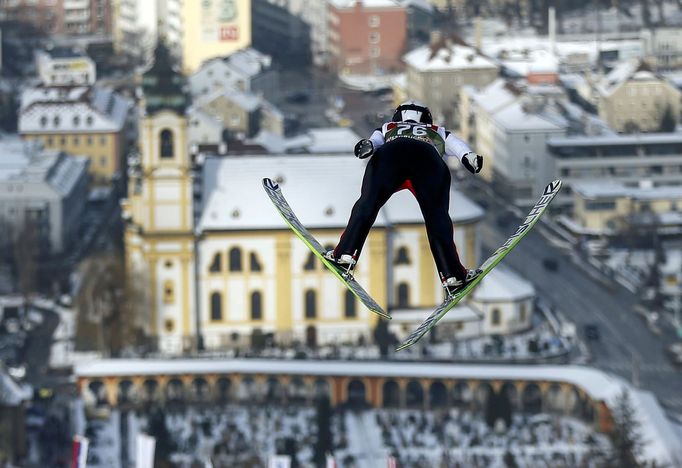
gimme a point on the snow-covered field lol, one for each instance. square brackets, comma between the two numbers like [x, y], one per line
[239, 436]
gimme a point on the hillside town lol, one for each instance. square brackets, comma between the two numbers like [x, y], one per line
[156, 311]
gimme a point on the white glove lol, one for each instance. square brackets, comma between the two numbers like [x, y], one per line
[473, 162]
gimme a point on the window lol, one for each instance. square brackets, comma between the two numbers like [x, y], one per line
[216, 264]
[89, 120]
[168, 292]
[103, 161]
[374, 21]
[168, 264]
[495, 317]
[256, 306]
[56, 121]
[255, 264]
[50, 141]
[374, 37]
[310, 304]
[62, 141]
[310, 262]
[76, 121]
[166, 143]
[102, 141]
[402, 257]
[235, 259]
[403, 295]
[89, 141]
[76, 141]
[374, 51]
[600, 205]
[350, 305]
[523, 312]
[43, 121]
[216, 306]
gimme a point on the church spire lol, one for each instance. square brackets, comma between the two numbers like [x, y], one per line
[162, 85]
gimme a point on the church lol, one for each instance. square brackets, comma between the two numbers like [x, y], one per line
[219, 266]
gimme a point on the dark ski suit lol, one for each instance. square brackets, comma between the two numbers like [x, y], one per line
[409, 155]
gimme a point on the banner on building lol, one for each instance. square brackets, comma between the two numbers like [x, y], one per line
[219, 20]
[145, 451]
[79, 452]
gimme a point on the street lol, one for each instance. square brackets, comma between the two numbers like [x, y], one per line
[626, 346]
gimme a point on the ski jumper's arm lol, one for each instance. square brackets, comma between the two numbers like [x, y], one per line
[377, 138]
[453, 145]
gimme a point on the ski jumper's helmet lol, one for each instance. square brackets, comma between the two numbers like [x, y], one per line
[412, 110]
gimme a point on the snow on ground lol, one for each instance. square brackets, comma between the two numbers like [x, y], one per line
[460, 438]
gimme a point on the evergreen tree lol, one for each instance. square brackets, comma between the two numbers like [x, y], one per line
[382, 337]
[323, 444]
[626, 436]
[164, 442]
[667, 121]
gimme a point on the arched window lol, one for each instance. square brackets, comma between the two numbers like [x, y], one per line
[216, 306]
[168, 292]
[216, 264]
[235, 259]
[166, 143]
[350, 305]
[402, 257]
[256, 306]
[255, 264]
[310, 304]
[495, 316]
[309, 264]
[403, 295]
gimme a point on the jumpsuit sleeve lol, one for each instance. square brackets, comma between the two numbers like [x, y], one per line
[455, 147]
[377, 138]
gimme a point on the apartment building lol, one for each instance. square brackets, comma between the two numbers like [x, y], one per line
[367, 36]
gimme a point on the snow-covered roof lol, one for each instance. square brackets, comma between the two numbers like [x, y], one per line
[493, 97]
[459, 313]
[447, 58]
[343, 4]
[75, 110]
[605, 188]
[524, 63]
[245, 100]
[516, 117]
[332, 140]
[320, 188]
[425, 5]
[503, 284]
[627, 70]
[617, 139]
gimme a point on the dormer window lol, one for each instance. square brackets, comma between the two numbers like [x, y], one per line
[43, 121]
[89, 120]
[76, 121]
[56, 121]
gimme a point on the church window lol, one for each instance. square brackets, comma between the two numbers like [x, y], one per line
[402, 258]
[235, 259]
[216, 264]
[310, 304]
[216, 306]
[496, 316]
[256, 306]
[403, 295]
[168, 292]
[166, 144]
[310, 262]
[350, 308]
[255, 264]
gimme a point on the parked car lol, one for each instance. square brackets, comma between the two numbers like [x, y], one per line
[592, 332]
[551, 264]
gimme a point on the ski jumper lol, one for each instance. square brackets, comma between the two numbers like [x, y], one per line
[409, 155]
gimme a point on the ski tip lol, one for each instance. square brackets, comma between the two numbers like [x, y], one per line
[553, 187]
[270, 184]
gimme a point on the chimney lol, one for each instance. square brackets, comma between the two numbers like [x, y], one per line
[436, 37]
[552, 28]
[478, 27]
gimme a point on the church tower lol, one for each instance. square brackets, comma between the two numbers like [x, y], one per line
[159, 236]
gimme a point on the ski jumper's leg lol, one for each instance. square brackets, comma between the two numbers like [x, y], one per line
[381, 180]
[430, 178]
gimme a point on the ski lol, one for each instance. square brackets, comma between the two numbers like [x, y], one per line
[275, 193]
[533, 216]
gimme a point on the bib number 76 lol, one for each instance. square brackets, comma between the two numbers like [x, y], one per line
[417, 130]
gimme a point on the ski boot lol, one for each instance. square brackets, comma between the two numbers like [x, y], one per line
[453, 285]
[345, 263]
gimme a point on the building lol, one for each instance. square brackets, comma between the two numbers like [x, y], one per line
[47, 189]
[61, 17]
[437, 72]
[632, 98]
[367, 36]
[195, 31]
[14, 399]
[662, 47]
[65, 67]
[510, 126]
[607, 208]
[246, 70]
[280, 33]
[81, 120]
[420, 21]
[628, 159]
